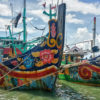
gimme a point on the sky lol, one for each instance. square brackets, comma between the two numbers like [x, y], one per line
[79, 19]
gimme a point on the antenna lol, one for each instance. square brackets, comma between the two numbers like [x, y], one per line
[94, 31]
[11, 5]
[94, 34]
[52, 2]
[57, 8]
[24, 25]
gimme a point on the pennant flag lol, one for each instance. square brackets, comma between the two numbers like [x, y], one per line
[15, 20]
[94, 20]
[53, 7]
[44, 5]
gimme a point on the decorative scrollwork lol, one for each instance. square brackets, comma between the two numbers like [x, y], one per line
[59, 41]
[85, 72]
[51, 42]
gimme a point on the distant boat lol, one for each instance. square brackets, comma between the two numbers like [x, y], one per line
[72, 56]
[37, 68]
[87, 72]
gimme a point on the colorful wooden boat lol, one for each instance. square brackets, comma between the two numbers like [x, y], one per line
[87, 73]
[72, 56]
[37, 68]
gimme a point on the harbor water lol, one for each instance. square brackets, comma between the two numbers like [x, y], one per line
[61, 92]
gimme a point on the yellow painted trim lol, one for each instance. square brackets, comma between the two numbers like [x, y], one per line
[52, 41]
[39, 64]
[55, 61]
[57, 39]
[35, 54]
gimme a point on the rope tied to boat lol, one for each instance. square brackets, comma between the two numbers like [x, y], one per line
[15, 67]
[26, 83]
[71, 65]
[62, 67]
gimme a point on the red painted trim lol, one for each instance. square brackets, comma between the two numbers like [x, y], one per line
[85, 71]
[2, 79]
[30, 74]
[92, 67]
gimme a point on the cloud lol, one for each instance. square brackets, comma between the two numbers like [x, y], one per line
[4, 22]
[98, 40]
[70, 18]
[4, 0]
[72, 6]
[40, 2]
[4, 10]
[82, 38]
[84, 8]
[77, 6]
[38, 9]
[81, 35]
[39, 14]
[29, 30]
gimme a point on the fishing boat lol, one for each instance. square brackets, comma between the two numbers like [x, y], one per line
[37, 68]
[11, 45]
[87, 73]
[72, 56]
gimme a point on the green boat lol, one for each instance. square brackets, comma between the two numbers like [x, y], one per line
[85, 72]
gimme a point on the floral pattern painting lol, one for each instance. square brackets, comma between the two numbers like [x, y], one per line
[46, 56]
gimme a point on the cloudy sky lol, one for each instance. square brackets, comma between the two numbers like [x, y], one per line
[79, 18]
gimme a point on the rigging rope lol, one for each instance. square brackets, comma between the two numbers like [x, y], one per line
[15, 67]
[37, 27]
[29, 82]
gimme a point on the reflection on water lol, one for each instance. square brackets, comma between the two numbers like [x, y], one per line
[61, 92]
[28, 95]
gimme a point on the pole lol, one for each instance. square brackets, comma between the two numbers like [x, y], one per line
[57, 8]
[11, 5]
[94, 34]
[12, 41]
[52, 2]
[24, 25]
[94, 31]
[50, 12]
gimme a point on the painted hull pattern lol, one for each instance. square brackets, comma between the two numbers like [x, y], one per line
[40, 62]
[87, 74]
[37, 68]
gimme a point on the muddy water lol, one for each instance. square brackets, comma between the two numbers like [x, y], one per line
[60, 93]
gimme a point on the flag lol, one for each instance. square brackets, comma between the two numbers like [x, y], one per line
[94, 20]
[53, 7]
[44, 5]
[15, 20]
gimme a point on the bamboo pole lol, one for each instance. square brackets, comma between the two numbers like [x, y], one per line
[72, 65]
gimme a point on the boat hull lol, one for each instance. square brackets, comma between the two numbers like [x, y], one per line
[37, 68]
[87, 74]
[44, 79]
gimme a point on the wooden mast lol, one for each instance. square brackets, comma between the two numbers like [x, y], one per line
[24, 25]
[94, 34]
